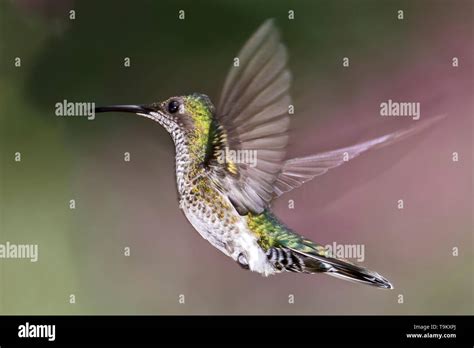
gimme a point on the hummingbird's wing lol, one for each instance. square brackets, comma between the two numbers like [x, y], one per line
[253, 112]
[295, 172]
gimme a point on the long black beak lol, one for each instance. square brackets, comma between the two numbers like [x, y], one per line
[142, 109]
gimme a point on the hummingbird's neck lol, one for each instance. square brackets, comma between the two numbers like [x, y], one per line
[190, 156]
[192, 141]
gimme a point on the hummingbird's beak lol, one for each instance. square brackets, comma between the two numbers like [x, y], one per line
[136, 109]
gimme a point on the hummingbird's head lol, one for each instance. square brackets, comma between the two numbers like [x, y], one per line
[184, 117]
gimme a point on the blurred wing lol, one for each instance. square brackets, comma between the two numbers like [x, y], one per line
[253, 115]
[297, 171]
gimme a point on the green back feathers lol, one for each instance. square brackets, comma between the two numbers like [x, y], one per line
[200, 109]
[209, 139]
[271, 233]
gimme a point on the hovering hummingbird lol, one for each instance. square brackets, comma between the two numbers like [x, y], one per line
[228, 201]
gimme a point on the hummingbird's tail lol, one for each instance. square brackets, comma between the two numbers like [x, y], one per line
[342, 269]
[289, 251]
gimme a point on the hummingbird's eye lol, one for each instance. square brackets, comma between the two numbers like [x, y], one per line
[173, 106]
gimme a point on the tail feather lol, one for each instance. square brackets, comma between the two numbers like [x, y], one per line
[342, 269]
[360, 275]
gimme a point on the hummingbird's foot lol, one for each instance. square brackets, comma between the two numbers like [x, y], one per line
[242, 261]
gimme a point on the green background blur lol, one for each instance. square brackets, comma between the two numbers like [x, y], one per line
[134, 204]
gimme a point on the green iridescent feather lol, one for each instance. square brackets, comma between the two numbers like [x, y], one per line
[271, 233]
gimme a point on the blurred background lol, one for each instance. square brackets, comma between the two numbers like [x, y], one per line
[134, 204]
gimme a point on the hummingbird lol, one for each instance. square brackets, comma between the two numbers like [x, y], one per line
[227, 199]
